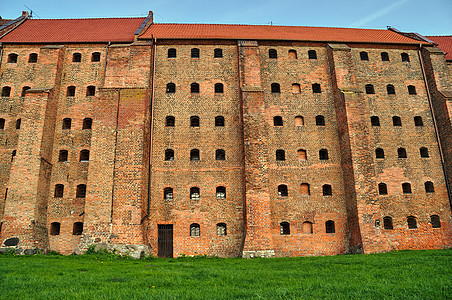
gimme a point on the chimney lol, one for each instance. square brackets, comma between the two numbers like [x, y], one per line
[25, 14]
[151, 16]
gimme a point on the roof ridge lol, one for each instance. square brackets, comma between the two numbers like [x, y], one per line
[71, 19]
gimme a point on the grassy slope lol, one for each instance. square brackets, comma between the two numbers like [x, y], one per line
[404, 274]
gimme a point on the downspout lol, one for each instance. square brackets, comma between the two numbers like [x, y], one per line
[438, 140]
[151, 122]
[105, 64]
[114, 161]
[1, 53]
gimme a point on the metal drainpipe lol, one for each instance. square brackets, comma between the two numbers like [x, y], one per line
[438, 140]
[105, 64]
[151, 123]
[1, 53]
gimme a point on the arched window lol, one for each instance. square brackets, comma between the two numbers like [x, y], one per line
[219, 121]
[412, 223]
[220, 154]
[363, 55]
[424, 152]
[6, 91]
[396, 121]
[170, 121]
[194, 53]
[171, 53]
[387, 223]
[277, 121]
[84, 155]
[329, 227]
[370, 89]
[95, 57]
[405, 57]
[194, 121]
[316, 88]
[167, 193]
[434, 219]
[323, 154]
[320, 120]
[194, 155]
[194, 88]
[293, 54]
[33, 58]
[170, 88]
[218, 53]
[169, 154]
[12, 58]
[401, 153]
[221, 229]
[280, 155]
[272, 53]
[382, 189]
[195, 230]
[275, 88]
[412, 90]
[301, 154]
[70, 92]
[418, 121]
[305, 189]
[296, 88]
[87, 123]
[312, 54]
[59, 191]
[307, 227]
[24, 90]
[18, 123]
[327, 190]
[67, 123]
[406, 188]
[194, 193]
[90, 91]
[81, 191]
[219, 88]
[284, 228]
[220, 192]
[429, 188]
[2, 123]
[379, 153]
[384, 56]
[299, 121]
[77, 228]
[62, 157]
[55, 228]
[76, 57]
[282, 190]
[390, 89]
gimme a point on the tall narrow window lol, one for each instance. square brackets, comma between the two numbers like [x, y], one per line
[67, 123]
[219, 121]
[301, 155]
[194, 155]
[170, 88]
[384, 56]
[329, 227]
[195, 229]
[418, 121]
[170, 121]
[6, 91]
[55, 228]
[282, 190]
[90, 91]
[76, 57]
[312, 54]
[412, 90]
[370, 89]
[24, 90]
[194, 121]
[307, 227]
[272, 53]
[375, 121]
[429, 188]
[12, 58]
[327, 190]
[296, 88]
[169, 154]
[275, 88]
[292, 54]
[194, 88]
[62, 157]
[70, 92]
[316, 88]
[396, 121]
[424, 152]
[194, 53]
[387, 223]
[59, 191]
[33, 58]
[382, 189]
[220, 192]
[2, 123]
[284, 228]
[18, 123]
[323, 154]
[87, 123]
[434, 219]
[412, 223]
[167, 194]
[401, 153]
[171, 53]
[363, 55]
[220, 154]
[280, 155]
[84, 155]
[320, 120]
[390, 89]
[194, 193]
[95, 57]
[77, 228]
[219, 88]
[277, 121]
[405, 57]
[221, 229]
[406, 188]
[299, 121]
[81, 191]
[218, 53]
[379, 153]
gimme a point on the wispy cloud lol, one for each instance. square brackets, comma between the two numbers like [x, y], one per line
[378, 14]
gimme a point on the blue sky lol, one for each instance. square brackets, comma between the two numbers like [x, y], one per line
[432, 17]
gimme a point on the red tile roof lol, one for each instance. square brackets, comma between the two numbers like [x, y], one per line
[74, 30]
[444, 43]
[267, 32]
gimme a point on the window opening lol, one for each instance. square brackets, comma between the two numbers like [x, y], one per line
[282, 190]
[280, 155]
[277, 121]
[329, 227]
[169, 154]
[221, 192]
[284, 228]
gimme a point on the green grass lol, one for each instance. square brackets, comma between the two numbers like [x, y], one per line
[396, 275]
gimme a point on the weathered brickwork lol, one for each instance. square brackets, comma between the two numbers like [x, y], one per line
[252, 147]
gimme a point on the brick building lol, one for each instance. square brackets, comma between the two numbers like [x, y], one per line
[222, 140]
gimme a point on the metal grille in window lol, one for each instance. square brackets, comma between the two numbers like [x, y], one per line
[195, 53]
[171, 53]
[168, 194]
[194, 193]
[221, 192]
[221, 229]
[195, 230]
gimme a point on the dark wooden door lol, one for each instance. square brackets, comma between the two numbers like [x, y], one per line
[165, 240]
